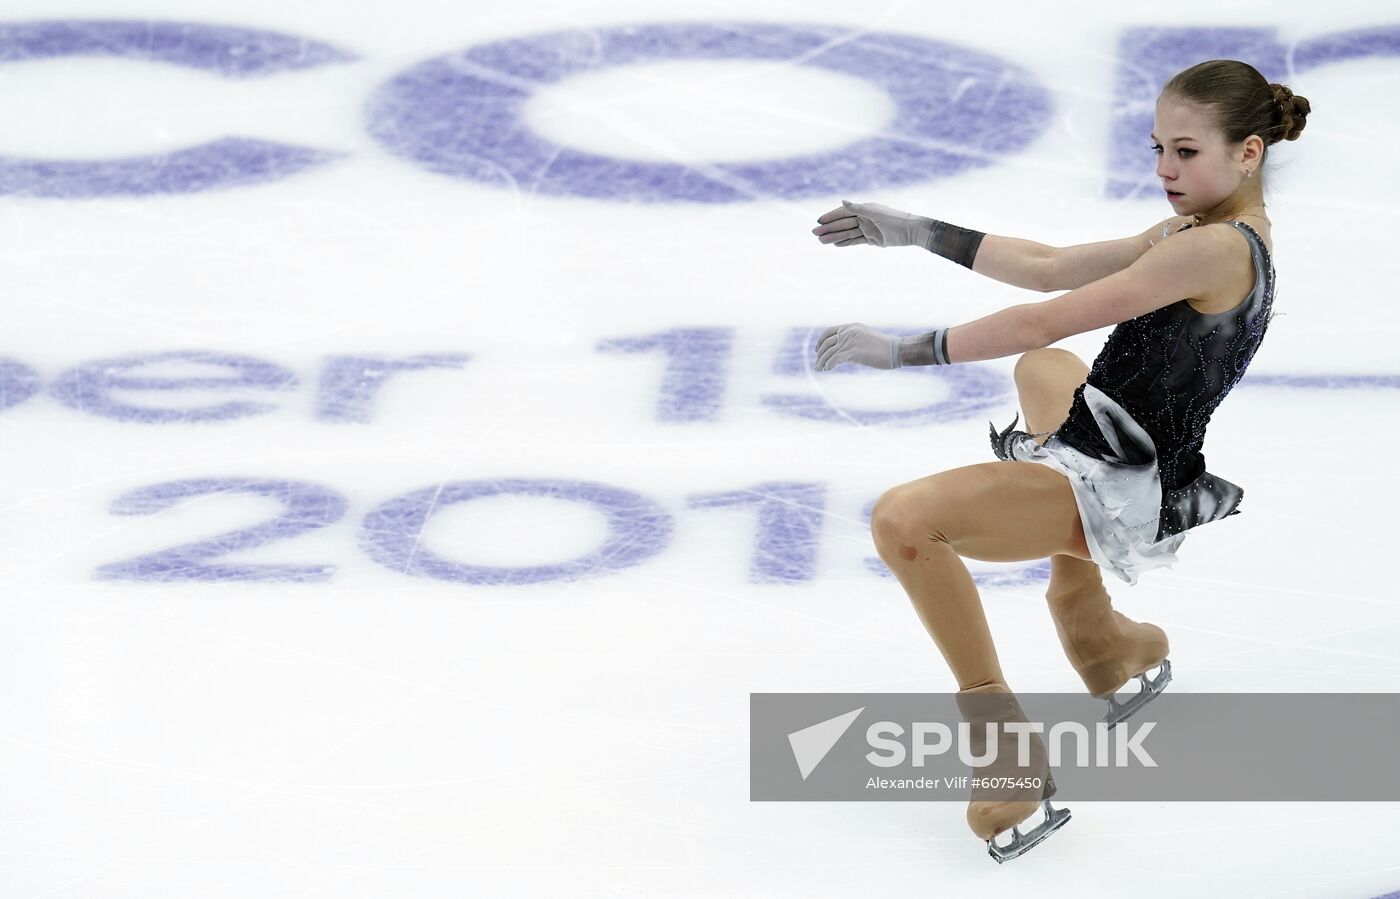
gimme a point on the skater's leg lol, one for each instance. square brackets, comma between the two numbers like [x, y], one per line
[999, 512]
[1045, 383]
[996, 511]
[1105, 647]
[1000, 804]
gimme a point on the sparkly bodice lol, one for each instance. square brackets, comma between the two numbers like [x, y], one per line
[1169, 369]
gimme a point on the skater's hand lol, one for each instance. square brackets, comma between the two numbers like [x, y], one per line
[857, 343]
[854, 223]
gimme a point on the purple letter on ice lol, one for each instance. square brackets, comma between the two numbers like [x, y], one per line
[217, 49]
[957, 109]
[89, 387]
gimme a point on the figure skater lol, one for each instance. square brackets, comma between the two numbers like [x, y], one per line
[1111, 475]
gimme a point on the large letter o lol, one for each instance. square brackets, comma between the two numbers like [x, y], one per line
[460, 114]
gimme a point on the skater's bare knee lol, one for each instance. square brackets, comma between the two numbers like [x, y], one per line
[891, 519]
[1033, 363]
[903, 522]
[1045, 383]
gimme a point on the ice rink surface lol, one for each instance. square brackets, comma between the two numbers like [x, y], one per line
[413, 460]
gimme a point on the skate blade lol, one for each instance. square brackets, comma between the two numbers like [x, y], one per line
[1021, 843]
[1150, 690]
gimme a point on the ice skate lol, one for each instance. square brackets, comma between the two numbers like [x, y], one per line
[1108, 649]
[994, 810]
[1150, 690]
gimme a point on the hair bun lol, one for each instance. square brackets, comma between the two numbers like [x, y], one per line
[1293, 111]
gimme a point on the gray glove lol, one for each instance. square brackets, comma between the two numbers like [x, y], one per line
[871, 223]
[857, 343]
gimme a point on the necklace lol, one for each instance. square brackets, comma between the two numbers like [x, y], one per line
[1240, 215]
[1196, 220]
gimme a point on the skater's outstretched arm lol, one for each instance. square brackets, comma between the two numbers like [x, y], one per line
[1021, 263]
[1071, 267]
[1010, 260]
[1199, 263]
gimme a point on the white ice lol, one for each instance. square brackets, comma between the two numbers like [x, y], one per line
[384, 734]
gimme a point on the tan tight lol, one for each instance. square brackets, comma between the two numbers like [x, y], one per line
[1007, 512]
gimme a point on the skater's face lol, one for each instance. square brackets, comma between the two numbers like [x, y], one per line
[1194, 159]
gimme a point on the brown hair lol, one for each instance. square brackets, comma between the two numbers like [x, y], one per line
[1242, 101]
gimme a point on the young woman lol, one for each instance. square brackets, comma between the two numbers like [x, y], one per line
[1112, 475]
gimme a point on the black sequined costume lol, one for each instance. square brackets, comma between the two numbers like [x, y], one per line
[1169, 369]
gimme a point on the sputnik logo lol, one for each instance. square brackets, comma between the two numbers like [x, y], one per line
[811, 744]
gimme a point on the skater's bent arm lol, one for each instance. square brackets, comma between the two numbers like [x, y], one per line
[1194, 263]
[1010, 332]
[1076, 266]
[1014, 261]
[1046, 269]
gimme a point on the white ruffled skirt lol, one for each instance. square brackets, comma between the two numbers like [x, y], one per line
[1120, 504]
